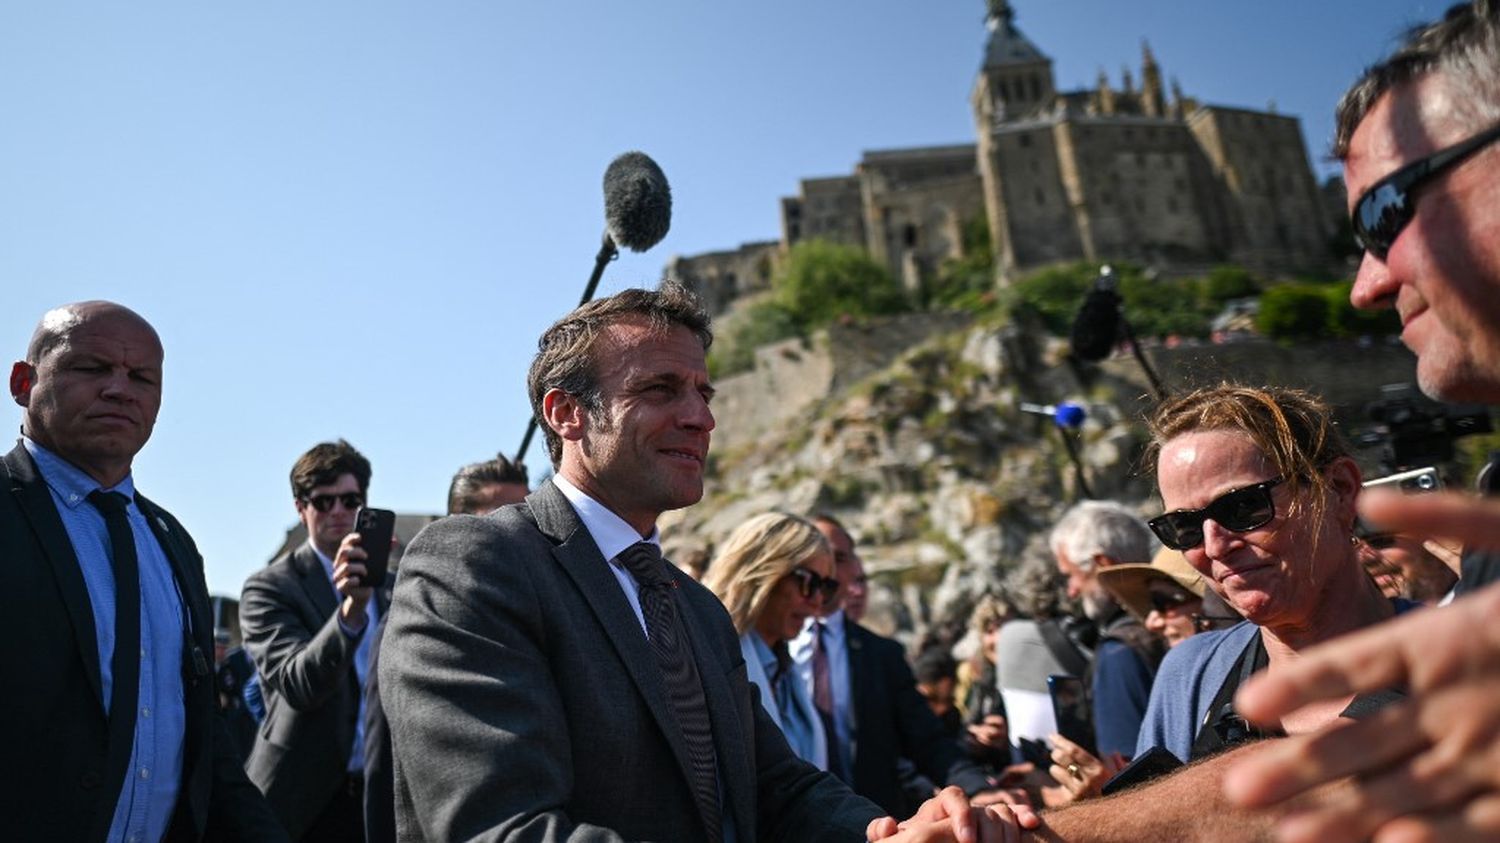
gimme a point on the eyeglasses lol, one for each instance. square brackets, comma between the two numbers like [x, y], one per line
[1167, 602]
[1385, 209]
[810, 583]
[1239, 510]
[324, 503]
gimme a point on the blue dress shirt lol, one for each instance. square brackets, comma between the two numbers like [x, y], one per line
[835, 639]
[143, 809]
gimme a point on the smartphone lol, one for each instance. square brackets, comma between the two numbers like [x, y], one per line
[1070, 705]
[1413, 482]
[1156, 762]
[375, 528]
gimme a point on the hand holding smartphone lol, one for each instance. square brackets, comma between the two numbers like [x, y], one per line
[1070, 706]
[376, 528]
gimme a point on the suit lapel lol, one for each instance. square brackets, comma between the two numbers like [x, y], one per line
[577, 554]
[723, 713]
[861, 678]
[188, 573]
[315, 582]
[35, 500]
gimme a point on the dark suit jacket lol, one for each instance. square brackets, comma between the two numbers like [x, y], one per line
[892, 721]
[61, 776]
[380, 777]
[288, 616]
[525, 704]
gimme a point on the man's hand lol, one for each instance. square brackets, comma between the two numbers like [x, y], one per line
[1432, 760]
[991, 733]
[348, 579]
[949, 816]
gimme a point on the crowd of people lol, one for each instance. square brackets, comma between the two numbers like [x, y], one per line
[1274, 650]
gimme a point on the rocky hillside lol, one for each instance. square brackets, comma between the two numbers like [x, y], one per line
[930, 462]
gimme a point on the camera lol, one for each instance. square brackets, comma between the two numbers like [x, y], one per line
[1416, 431]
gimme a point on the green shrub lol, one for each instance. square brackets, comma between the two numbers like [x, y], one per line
[822, 281]
[1294, 312]
[762, 323]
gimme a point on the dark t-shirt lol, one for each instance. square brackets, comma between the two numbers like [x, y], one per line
[1122, 687]
[1480, 568]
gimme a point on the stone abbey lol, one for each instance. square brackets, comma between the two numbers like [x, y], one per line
[1137, 172]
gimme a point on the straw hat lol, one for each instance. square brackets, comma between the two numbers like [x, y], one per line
[1128, 583]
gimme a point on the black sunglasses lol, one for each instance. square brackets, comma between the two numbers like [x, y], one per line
[1240, 510]
[1385, 209]
[1170, 601]
[324, 503]
[810, 583]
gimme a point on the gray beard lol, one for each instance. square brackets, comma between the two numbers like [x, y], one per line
[1099, 606]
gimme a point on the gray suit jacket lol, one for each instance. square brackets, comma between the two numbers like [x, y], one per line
[306, 663]
[525, 704]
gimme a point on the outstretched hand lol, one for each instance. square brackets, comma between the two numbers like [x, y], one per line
[1425, 768]
[948, 816]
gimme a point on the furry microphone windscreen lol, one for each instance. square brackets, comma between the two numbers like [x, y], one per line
[637, 202]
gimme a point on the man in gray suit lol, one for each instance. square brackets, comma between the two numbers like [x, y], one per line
[529, 670]
[309, 623]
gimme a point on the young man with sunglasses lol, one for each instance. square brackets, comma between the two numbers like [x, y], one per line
[309, 622]
[1419, 134]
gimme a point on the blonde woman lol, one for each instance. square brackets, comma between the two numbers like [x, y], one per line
[773, 573]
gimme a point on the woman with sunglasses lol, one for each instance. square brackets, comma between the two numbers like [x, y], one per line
[773, 573]
[1259, 491]
[1168, 596]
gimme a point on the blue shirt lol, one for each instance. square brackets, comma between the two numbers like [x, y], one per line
[148, 794]
[1122, 688]
[361, 661]
[835, 642]
[786, 688]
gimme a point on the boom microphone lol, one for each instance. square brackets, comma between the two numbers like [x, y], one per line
[637, 214]
[1096, 329]
[637, 202]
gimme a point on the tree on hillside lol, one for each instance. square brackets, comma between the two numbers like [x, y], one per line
[821, 281]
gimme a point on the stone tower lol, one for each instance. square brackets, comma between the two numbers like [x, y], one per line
[1015, 82]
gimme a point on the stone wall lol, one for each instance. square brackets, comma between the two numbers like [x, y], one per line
[1322, 368]
[723, 278]
[1275, 213]
[792, 376]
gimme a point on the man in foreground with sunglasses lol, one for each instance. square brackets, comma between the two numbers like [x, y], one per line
[309, 621]
[1420, 138]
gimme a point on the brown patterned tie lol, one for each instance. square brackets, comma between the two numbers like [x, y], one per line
[674, 655]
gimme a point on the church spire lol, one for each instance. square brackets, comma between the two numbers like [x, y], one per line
[1153, 97]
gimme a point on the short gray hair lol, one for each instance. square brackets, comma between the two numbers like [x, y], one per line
[1464, 46]
[1105, 528]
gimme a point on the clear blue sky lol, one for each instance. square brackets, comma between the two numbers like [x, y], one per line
[354, 218]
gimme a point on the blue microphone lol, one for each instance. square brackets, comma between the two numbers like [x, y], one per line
[1065, 414]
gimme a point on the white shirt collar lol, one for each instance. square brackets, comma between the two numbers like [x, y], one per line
[610, 532]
